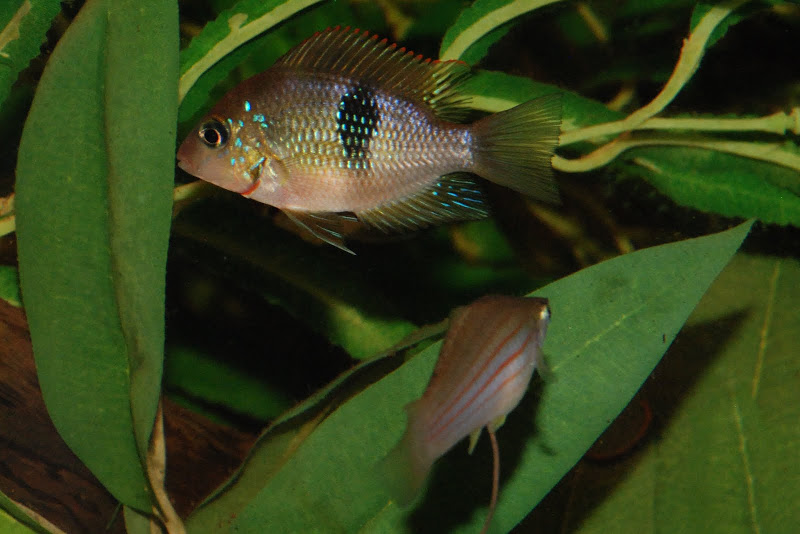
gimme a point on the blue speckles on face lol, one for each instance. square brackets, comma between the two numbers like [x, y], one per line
[238, 142]
[258, 117]
[233, 162]
[247, 105]
[241, 159]
[241, 123]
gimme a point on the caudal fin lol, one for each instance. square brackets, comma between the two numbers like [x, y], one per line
[513, 148]
[404, 469]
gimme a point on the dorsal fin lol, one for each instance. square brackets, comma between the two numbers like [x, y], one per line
[453, 197]
[395, 70]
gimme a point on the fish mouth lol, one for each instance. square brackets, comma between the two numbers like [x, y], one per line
[183, 160]
[259, 167]
[185, 165]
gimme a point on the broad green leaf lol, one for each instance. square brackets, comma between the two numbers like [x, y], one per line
[611, 324]
[16, 519]
[23, 25]
[9, 285]
[94, 199]
[481, 20]
[329, 292]
[725, 458]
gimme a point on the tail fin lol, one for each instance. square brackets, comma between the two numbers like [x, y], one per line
[513, 148]
[405, 468]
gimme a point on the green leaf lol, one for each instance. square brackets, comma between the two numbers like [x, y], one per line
[719, 183]
[94, 201]
[702, 8]
[611, 324]
[23, 25]
[9, 285]
[253, 56]
[278, 442]
[480, 21]
[233, 28]
[722, 456]
[200, 376]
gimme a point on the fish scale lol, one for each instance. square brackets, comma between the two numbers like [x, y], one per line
[348, 125]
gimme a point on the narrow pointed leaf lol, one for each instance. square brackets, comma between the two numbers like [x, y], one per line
[611, 324]
[722, 454]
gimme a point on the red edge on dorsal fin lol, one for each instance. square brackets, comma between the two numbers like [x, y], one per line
[372, 60]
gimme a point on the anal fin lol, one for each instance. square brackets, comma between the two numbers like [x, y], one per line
[453, 197]
[323, 225]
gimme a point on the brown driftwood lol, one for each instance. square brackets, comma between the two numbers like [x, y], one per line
[38, 470]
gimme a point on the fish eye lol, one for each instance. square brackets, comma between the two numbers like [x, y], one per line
[214, 133]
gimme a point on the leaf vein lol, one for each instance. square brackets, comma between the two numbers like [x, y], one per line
[748, 474]
[765, 327]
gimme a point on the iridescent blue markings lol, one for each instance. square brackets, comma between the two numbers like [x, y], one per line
[357, 120]
[247, 105]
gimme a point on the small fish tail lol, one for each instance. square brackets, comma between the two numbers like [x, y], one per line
[513, 148]
[404, 469]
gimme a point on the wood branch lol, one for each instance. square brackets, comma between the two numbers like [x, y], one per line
[38, 470]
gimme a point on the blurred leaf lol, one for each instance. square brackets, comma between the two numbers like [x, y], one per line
[220, 40]
[477, 26]
[723, 456]
[702, 8]
[495, 91]
[197, 375]
[330, 292]
[720, 183]
[627, 313]
[23, 25]
[9, 285]
[94, 200]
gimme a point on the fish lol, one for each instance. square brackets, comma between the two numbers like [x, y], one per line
[347, 127]
[488, 357]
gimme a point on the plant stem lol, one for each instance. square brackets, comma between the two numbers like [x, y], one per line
[777, 123]
[770, 152]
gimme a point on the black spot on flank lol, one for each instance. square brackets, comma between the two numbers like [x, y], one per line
[357, 120]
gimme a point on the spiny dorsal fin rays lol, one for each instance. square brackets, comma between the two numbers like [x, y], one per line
[395, 70]
[453, 197]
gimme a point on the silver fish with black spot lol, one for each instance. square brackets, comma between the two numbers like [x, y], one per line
[348, 125]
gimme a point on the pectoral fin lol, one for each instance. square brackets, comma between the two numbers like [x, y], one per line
[473, 440]
[325, 226]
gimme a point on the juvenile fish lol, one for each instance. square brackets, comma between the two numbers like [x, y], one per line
[345, 124]
[488, 357]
